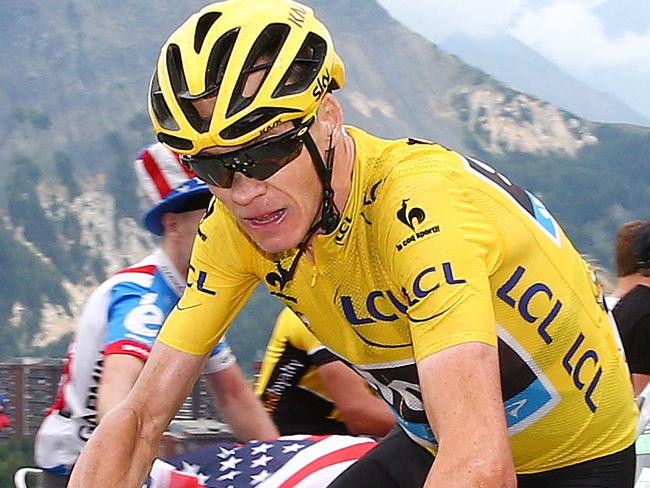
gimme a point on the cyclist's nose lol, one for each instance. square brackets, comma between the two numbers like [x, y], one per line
[245, 190]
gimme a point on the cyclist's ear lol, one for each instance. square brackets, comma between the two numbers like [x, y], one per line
[330, 114]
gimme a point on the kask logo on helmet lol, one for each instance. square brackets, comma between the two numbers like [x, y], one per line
[297, 15]
[271, 126]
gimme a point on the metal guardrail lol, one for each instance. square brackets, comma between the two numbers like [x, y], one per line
[20, 477]
[181, 436]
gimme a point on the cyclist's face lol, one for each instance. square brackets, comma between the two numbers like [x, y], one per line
[278, 211]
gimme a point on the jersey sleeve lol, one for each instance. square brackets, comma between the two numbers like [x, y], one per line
[134, 320]
[439, 250]
[219, 284]
[290, 325]
[220, 358]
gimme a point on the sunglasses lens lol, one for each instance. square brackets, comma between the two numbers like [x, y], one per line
[260, 161]
[271, 159]
[281, 153]
[211, 171]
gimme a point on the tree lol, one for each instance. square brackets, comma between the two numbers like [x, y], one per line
[64, 172]
[13, 455]
[121, 184]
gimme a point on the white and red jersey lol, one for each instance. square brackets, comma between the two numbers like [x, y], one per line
[122, 316]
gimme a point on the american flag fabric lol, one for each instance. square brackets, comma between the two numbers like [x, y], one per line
[297, 461]
[159, 171]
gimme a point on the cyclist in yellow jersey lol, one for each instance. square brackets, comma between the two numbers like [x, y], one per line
[447, 286]
[307, 389]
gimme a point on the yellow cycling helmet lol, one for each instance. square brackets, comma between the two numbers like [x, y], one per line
[208, 60]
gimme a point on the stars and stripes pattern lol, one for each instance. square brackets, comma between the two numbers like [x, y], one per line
[159, 171]
[297, 461]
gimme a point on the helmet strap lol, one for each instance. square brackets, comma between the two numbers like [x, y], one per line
[330, 214]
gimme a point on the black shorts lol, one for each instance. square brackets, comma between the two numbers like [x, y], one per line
[398, 462]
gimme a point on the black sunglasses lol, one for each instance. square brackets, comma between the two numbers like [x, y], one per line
[259, 161]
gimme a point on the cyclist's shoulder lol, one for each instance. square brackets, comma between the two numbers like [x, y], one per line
[387, 153]
[291, 329]
[142, 271]
[156, 273]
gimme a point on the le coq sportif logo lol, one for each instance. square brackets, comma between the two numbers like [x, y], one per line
[410, 216]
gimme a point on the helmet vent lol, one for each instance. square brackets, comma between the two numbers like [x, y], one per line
[203, 27]
[304, 68]
[252, 121]
[159, 106]
[184, 99]
[175, 142]
[218, 61]
[260, 58]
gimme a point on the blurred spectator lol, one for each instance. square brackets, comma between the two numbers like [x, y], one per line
[626, 267]
[121, 321]
[632, 312]
[4, 420]
[308, 390]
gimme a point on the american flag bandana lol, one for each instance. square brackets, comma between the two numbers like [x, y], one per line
[297, 461]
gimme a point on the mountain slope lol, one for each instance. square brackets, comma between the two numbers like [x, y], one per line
[512, 62]
[73, 84]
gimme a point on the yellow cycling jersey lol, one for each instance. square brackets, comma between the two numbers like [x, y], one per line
[436, 249]
[289, 385]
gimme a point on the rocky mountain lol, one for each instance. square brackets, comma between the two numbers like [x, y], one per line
[514, 63]
[73, 80]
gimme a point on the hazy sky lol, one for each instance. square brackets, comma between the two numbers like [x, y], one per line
[578, 35]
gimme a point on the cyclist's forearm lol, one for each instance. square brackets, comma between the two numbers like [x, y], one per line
[122, 448]
[119, 453]
[371, 417]
[240, 407]
[251, 422]
[474, 450]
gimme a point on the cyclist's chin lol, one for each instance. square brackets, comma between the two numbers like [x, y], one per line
[276, 240]
[275, 243]
[277, 232]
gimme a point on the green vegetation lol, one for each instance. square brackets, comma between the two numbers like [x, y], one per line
[65, 173]
[122, 184]
[30, 283]
[13, 455]
[32, 117]
[96, 119]
[592, 194]
[47, 233]
[55, 349]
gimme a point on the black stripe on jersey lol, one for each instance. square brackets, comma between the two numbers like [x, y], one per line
[516, 375]
[323, 356]
[296, 410]
[517, 192]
